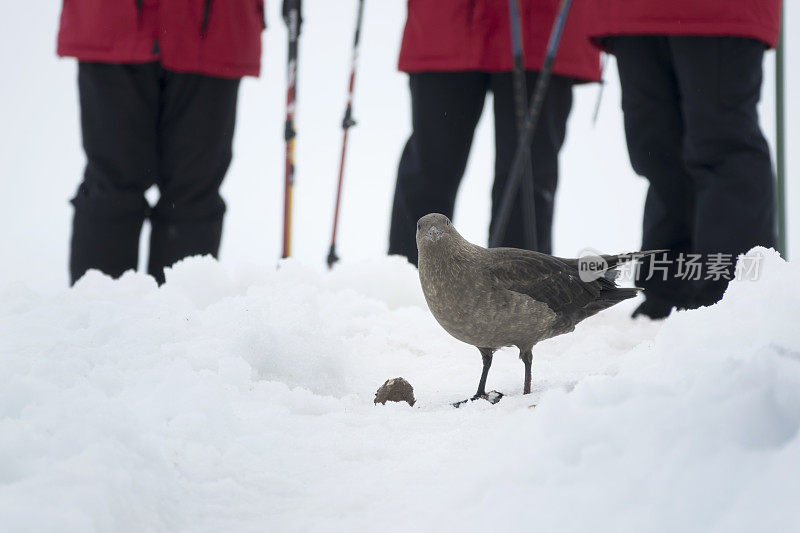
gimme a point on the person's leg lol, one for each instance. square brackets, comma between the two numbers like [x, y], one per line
[445, 108]
[547, 141]
[654, 133]
[119, 109]
[196, 124]
[724, 150]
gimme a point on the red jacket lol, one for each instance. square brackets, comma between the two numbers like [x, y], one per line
[459, 35]
[217, 38]
[757, 19]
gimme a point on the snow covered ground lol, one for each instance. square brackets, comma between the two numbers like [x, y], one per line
[239, 397]
[244, 403]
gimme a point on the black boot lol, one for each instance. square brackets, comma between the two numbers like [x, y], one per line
[653, 309]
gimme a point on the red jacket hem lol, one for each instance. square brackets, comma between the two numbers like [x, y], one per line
[570, 69]
[765, 34]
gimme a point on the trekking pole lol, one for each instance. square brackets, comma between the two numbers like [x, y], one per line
[347, 123]
[531, 120]
[292, 18]
[603, 61]
[780, 140]
[521, 107]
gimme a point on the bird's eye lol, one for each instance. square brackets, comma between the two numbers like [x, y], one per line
[447, 223]
[419, 227]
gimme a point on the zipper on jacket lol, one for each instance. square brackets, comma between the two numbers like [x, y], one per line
[139, 12]
[206, 12]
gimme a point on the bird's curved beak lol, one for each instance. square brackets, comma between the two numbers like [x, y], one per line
[434, 234]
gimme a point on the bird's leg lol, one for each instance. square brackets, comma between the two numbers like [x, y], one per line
[527, 358]
[486, 355]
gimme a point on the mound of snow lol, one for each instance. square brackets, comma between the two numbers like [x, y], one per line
[244, 402]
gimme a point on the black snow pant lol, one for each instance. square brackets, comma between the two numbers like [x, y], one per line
[445, 108]
[692, 130]
[144, 125]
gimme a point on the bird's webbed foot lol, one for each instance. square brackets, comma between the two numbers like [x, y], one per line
[492, 397]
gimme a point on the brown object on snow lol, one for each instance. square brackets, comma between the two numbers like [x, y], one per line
[395, 390]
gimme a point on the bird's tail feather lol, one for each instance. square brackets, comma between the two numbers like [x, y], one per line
[608, 293]
[615, 260]
[620, 294]
[610, 297]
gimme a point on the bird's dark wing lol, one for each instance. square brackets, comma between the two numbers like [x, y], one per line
[544, 278]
